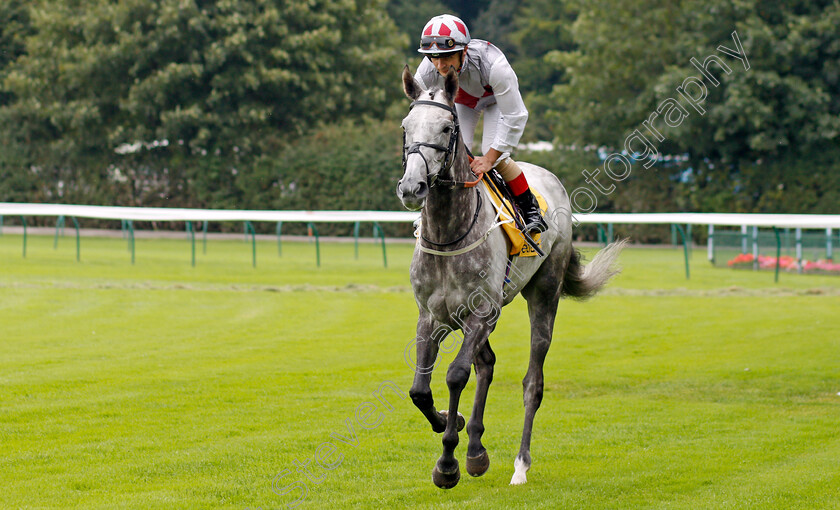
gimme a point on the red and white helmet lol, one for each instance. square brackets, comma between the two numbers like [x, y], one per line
[444, 34]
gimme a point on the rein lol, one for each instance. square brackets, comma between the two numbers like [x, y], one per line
[451, 253]
[474, 220]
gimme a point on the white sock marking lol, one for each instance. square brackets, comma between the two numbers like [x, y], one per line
[519, 472]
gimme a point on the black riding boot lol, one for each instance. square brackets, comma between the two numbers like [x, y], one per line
[534, 222]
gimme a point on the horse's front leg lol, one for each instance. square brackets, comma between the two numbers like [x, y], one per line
[446, 473]
[427, 345]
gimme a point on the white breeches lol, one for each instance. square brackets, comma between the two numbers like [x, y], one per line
[468, 118]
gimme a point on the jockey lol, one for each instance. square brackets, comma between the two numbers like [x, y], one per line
[487, 84]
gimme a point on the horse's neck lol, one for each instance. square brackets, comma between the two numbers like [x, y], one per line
[449, 212]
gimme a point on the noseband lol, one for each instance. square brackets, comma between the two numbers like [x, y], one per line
[450, 152]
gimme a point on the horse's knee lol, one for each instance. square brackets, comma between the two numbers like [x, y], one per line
[422, 398]
[457, 376]
[532, 392]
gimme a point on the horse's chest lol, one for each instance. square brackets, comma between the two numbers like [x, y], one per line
[452, 295]
[441, 297]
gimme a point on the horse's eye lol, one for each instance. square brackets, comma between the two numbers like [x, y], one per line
[447, 129]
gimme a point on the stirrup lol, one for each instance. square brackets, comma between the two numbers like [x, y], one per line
[536, 227]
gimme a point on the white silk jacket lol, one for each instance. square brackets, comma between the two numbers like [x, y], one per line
[486, 78]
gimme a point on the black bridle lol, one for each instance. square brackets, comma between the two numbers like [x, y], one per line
[450, 153]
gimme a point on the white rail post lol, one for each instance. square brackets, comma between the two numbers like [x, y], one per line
[744, 239]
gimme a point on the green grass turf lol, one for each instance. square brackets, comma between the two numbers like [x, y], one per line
[161, 385]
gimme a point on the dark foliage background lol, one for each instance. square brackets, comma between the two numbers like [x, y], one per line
[276, 105]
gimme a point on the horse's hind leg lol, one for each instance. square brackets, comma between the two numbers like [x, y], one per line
[543, 295]
[477, 459]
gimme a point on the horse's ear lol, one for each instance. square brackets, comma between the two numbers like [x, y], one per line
[451, 84]
[410, 86]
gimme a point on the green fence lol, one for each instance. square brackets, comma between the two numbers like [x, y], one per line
[127, 227]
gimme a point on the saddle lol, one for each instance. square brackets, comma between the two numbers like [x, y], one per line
[503, 201]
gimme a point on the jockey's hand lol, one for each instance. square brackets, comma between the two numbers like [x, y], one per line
[484, 164]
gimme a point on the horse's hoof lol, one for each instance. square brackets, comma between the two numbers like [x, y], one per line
[461, 421]
[446, 480]
[477, 466]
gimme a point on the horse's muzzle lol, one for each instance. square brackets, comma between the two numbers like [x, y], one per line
[413, 195]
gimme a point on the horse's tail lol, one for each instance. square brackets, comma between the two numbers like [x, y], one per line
[583, 282]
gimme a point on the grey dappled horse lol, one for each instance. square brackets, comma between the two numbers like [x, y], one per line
[458, 274]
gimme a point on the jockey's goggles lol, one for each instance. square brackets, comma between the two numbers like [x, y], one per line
[445, 44]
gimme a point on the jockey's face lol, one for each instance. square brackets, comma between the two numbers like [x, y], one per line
[444, 62]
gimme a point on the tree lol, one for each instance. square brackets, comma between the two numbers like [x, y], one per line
[538, 29]
[495, 23]
[781, 103]
[15, 180]
[13, 32]
[410, 16]
[170, 84]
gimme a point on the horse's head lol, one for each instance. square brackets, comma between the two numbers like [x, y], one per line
[430, 136]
